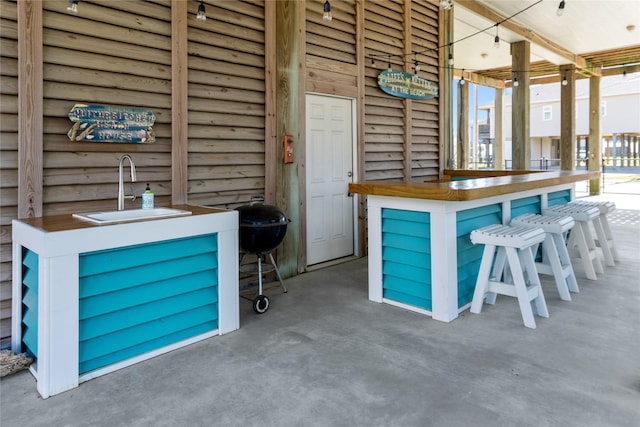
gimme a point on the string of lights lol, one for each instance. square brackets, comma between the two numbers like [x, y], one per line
[446, 5]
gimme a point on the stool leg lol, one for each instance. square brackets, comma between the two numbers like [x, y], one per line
[520, 288]
[499, 272]
[591, 243]
[577, 237]
[565, 261]
[603, 241]
[273, 263]
[610, 241]
[551, 257]
[482, 282]
[528, 262]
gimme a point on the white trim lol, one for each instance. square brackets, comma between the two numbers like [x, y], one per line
[407, 307]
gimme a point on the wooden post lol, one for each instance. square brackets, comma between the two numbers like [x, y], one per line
[360, 117]
[445, 90]
[520, 133]
[595, 133]
[30, 110]
[179, 102]
[270, 84]
[408, 103]
[498, 134]
[290, 118]
[463, 126]
[568, 119]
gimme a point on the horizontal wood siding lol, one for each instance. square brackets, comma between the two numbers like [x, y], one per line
[30, 302]
[528, 205]
[8, 156]
[384, 115]
[226, 154]
[331, 49]
[406, 257]
[559, 197]
[425, 134]
[140, 298]
[468, 254]
[114, 53]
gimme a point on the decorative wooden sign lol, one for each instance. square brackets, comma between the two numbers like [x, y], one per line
[406, 85]
[107, 123]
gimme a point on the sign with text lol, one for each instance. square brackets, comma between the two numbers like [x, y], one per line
[406, 85]
[107, 123]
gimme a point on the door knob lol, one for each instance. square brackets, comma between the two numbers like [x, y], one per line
[349, 174]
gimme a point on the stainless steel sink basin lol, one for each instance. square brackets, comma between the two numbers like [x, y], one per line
[111, 217]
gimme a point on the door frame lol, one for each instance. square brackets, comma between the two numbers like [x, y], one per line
[303, 179]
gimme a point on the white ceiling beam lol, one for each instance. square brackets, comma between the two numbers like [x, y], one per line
[480, 9]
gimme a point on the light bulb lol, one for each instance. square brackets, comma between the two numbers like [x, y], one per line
[564, 81]
[462, 82]
[450, 59]
[496, 40]
[516, 83]
[326, 15]
[446, 4]
[417, 67]
[560, 10]
[202, 13]
[72, 6]
[624, 74]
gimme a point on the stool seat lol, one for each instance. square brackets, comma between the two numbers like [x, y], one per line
[581, 236]
[509, 247]
[555, 224]
[503, 235]
[603, 230]
[555, 258]
[577, 211]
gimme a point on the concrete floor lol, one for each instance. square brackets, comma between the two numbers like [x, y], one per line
[323, 355]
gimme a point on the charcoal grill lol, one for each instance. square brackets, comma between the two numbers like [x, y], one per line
[262, 229]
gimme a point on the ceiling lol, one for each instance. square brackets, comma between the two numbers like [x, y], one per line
[598, 37]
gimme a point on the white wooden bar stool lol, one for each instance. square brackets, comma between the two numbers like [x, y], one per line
[510, 245]
[581, 235]
[603, 231]
[555, 257]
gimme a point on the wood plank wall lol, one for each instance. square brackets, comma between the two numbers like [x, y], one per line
[115, 53]
[8, 155]
[227, 104]
[401, 136]
[120, 53]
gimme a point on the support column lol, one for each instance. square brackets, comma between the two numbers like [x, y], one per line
[30, 110]
[463, 126]
[521, 139]
[498, 134]
[595, 133]
[568, 119]
[290, 120]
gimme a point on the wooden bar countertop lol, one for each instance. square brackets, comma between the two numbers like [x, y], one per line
[69, 222]
[484, 184]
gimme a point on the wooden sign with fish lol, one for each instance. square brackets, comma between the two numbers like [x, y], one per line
[107, 123]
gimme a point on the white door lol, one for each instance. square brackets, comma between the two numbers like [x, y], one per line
[329, 172]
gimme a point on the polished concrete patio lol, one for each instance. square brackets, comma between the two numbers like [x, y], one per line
[323, 355]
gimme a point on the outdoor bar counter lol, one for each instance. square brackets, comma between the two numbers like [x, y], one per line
[420, 254]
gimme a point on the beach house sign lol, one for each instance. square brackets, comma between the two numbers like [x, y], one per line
[406, 85]
[108, 123]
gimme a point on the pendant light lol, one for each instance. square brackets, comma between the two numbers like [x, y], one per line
[326, 14]
[202, 13]
[72, 6]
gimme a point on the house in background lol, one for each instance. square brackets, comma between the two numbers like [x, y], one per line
[620, 121]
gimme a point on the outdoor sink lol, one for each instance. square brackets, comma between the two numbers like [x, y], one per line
[111, 217]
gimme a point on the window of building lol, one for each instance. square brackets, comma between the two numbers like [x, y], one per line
[546, 113]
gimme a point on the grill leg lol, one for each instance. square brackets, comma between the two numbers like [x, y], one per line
[277, 272]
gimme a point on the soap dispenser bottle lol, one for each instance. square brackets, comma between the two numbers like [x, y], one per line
[147, 198]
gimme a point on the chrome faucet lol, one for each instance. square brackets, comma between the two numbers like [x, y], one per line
[121, 195]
